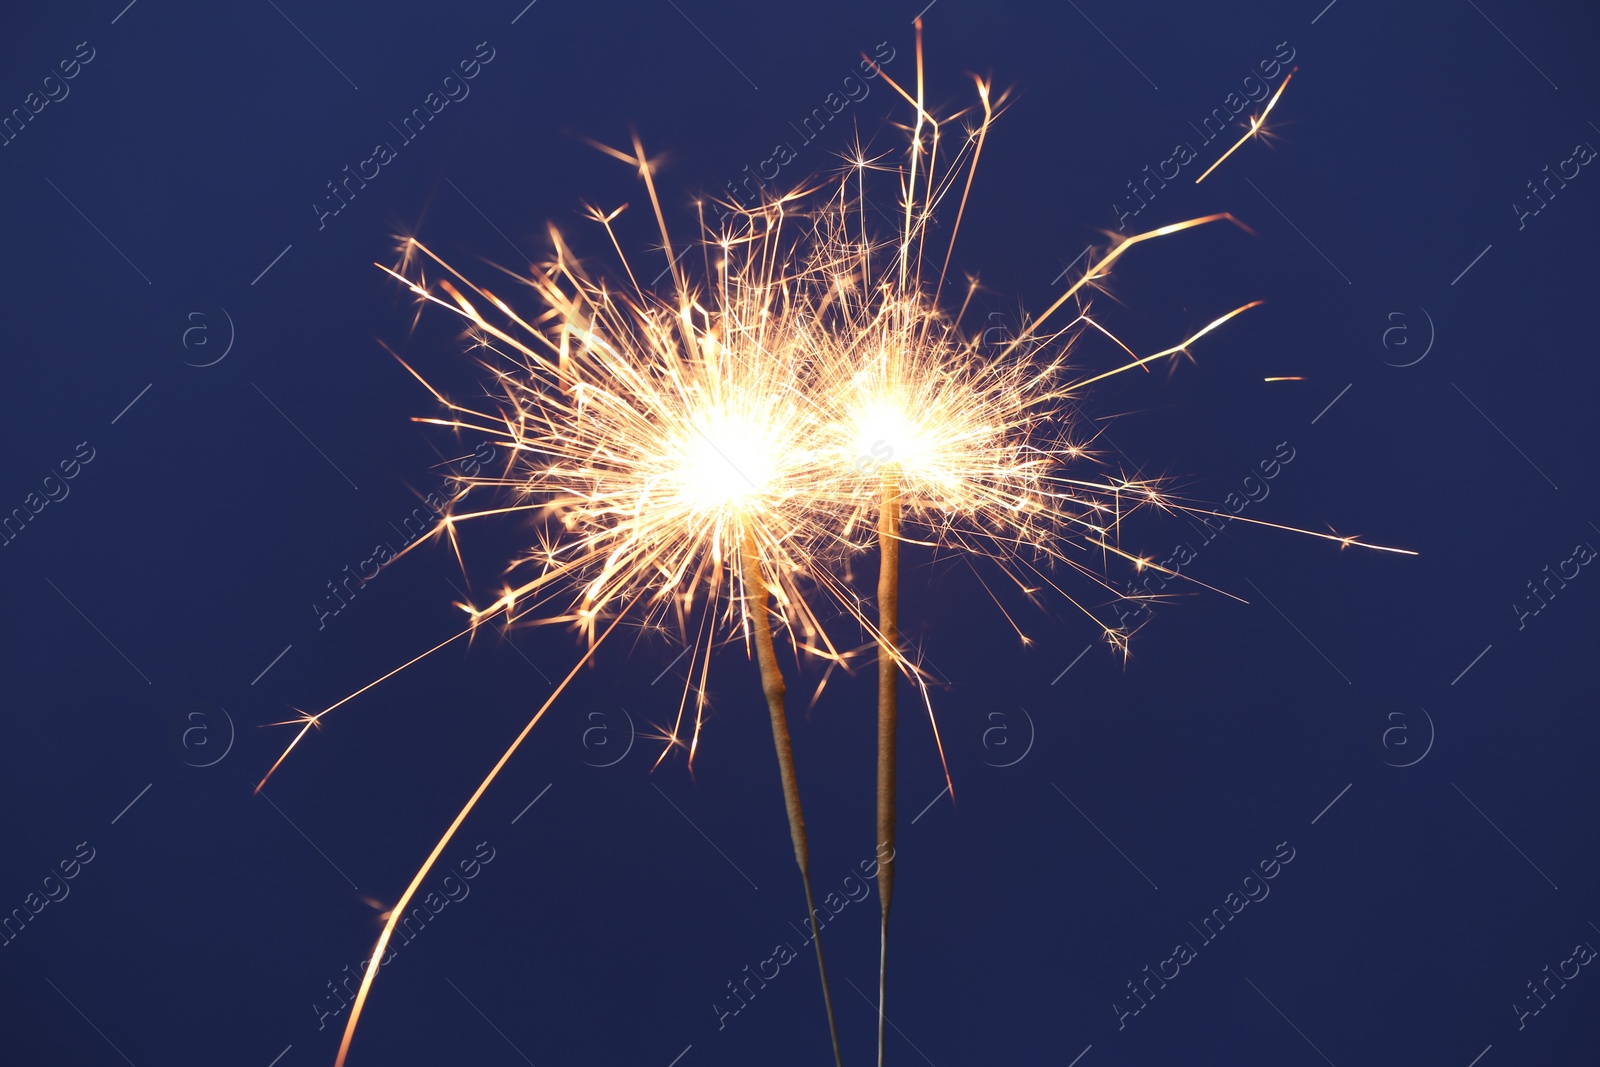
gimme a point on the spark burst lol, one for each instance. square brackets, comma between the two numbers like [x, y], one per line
[703, 460]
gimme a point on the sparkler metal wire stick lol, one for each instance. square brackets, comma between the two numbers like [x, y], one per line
[888, 713]
[772, 685]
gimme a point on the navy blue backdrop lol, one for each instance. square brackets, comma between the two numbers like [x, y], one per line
[1347, 817]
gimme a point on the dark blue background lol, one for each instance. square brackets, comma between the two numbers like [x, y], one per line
[210, 919]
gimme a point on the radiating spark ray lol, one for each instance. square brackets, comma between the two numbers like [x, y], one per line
[444, 841]
[314, 720]
[1255, 125]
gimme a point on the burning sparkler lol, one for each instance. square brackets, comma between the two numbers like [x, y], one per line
[664, 445]
[699, 460]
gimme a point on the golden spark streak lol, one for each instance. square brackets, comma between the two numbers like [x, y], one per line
[1255, 125]
[455, 824]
